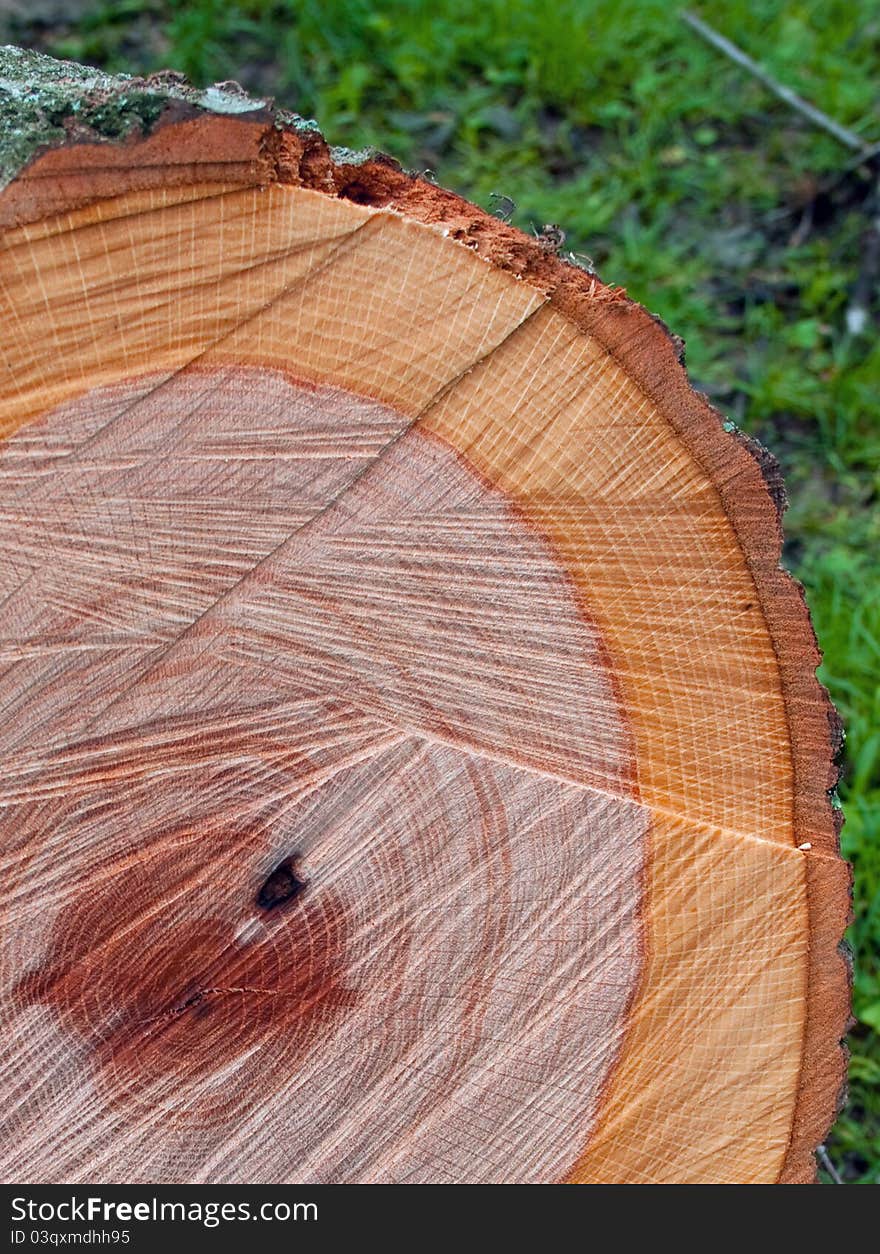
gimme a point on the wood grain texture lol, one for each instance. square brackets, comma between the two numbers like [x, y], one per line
[340, 522]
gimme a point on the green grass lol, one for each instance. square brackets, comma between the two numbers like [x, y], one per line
[687, 183]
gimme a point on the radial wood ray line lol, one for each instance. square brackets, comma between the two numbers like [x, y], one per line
[413, 763]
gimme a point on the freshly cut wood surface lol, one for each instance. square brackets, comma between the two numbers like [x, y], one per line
[413, 762]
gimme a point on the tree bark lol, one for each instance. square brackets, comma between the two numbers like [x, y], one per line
[414, 764]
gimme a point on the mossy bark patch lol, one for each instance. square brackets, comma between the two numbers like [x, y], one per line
[45, 102]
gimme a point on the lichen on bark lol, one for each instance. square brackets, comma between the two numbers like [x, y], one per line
[45, 102]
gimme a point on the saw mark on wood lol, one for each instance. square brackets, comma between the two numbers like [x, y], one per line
[415, 588]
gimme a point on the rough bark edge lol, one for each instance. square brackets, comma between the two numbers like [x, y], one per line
[67, 111]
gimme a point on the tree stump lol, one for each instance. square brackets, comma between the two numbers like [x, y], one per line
[413, 763]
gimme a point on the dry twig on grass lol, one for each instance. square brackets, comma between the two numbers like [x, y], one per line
[791, 98]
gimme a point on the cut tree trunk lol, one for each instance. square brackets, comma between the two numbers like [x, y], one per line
[413, 764]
